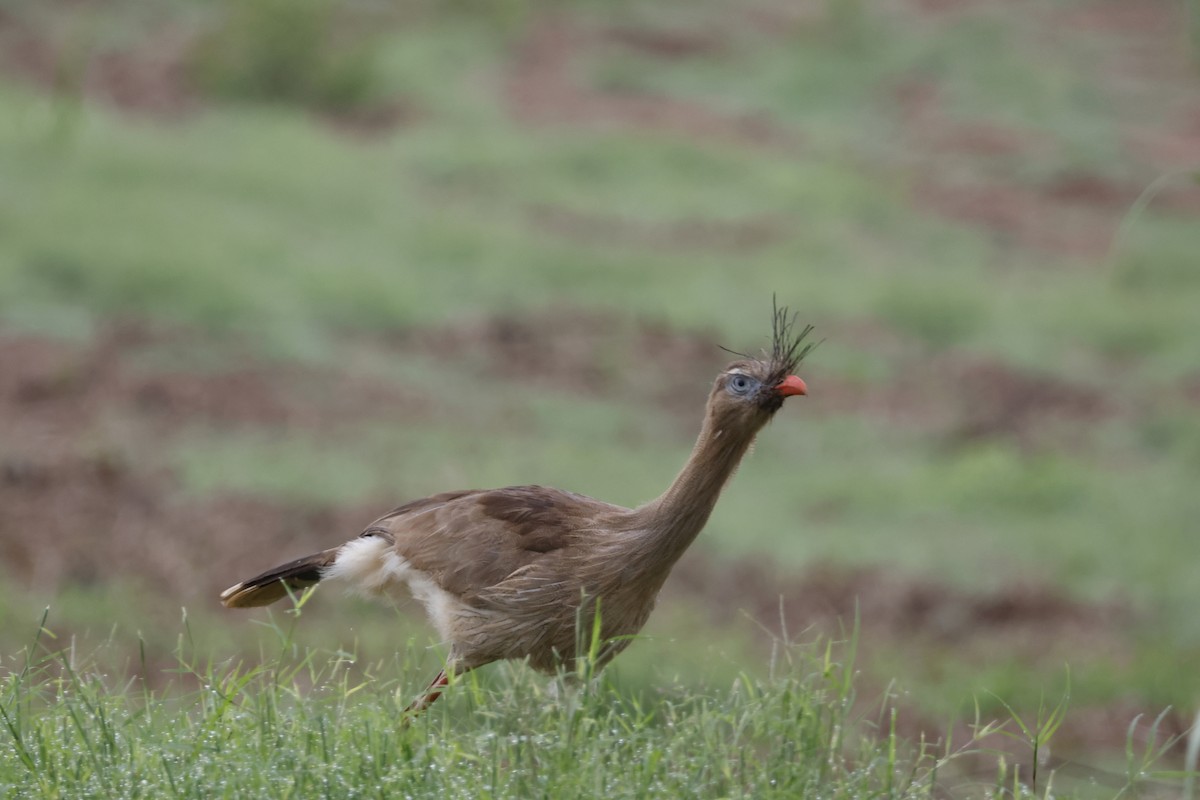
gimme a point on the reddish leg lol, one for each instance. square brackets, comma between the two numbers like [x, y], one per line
[432, 693]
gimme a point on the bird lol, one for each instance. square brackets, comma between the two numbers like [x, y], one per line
[536, 573]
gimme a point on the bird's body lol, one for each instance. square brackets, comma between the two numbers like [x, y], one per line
[525, 572]
[502, 573]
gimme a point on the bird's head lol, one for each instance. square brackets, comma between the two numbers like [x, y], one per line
[750, 390]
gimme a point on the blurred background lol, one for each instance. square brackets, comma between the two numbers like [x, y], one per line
[269, 268]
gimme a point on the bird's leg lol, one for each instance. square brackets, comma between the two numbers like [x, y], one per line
[432, 693]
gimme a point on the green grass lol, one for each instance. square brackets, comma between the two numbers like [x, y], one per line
[305, 722]
[309, 722]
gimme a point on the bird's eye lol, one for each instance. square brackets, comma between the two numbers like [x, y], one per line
[740, 384]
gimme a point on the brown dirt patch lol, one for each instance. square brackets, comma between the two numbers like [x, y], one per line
[998, 401]
[1172, 147]
[930, 130]
[698, 235]
[1189, 387]
[1074, 215]
[1144, 18]
[946, 6]
[1024, 619]
[83, 493]
[958, 397]
[542, 89]
[55, 394]
[1020, 216]
[81, 521]
[374, 120]
[587, 352]
[151, 78]
[668, 44]
[1114, 196]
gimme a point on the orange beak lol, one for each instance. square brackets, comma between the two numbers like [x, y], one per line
[791, 385]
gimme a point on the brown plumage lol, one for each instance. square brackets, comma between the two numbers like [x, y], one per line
[519, 572]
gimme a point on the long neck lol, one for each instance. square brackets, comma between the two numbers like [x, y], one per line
[672, 521]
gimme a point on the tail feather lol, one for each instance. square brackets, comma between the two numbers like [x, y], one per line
[275, 584]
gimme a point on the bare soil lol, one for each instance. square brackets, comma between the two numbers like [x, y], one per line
[150, 78]
[732, 237]
[1035, 622]
[53, 389]
[588, 352]
[541, 88]
[956, 397]
[84, 493]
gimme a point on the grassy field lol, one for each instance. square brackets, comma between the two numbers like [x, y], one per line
[261, 281]
[302, 722]
[309, 723]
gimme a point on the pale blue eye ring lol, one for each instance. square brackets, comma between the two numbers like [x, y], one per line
[740, 384]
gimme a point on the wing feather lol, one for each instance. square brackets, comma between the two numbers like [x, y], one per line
[469, 541]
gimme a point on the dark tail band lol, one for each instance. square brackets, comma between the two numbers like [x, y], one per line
[274, 584]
